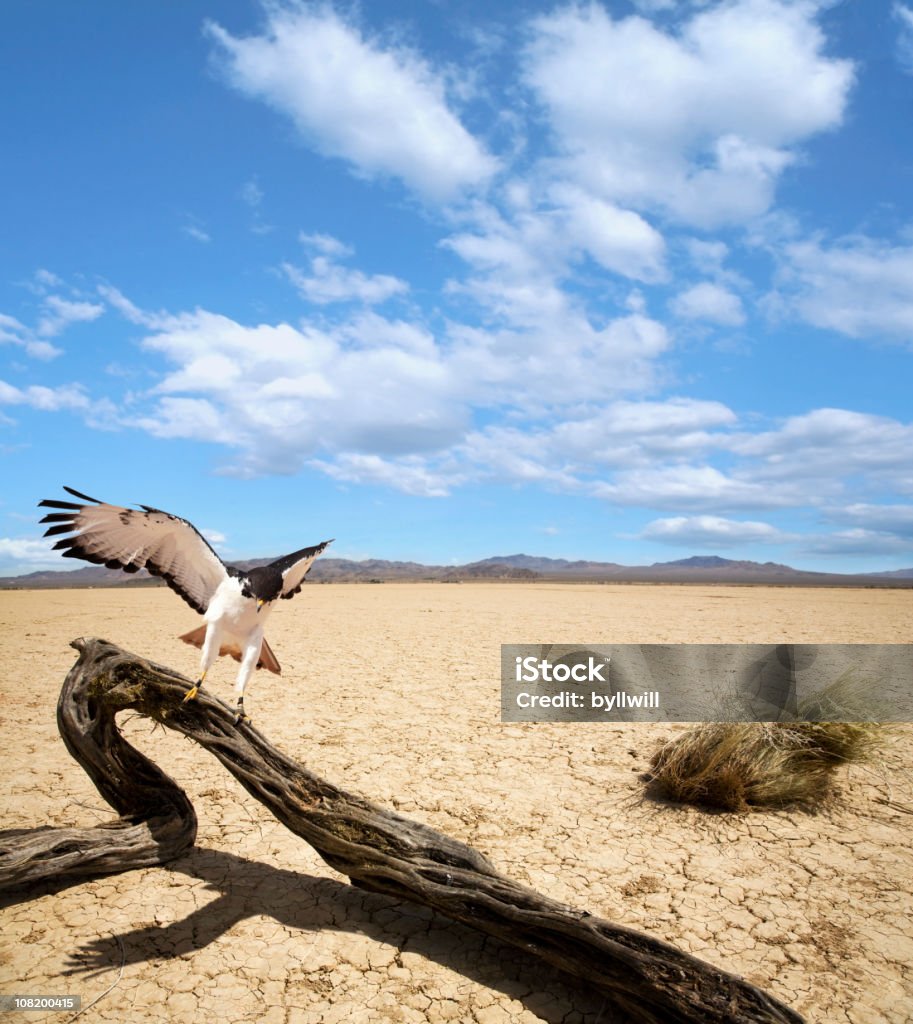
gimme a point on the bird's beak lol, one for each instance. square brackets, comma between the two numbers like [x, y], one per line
[260, 603]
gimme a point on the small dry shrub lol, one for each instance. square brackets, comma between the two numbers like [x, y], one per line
[735, 765]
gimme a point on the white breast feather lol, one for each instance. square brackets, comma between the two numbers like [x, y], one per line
[234, 613]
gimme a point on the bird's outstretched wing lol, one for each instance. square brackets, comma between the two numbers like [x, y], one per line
[294, 568]
[130, 539]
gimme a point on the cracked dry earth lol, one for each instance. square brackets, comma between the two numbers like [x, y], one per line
[392, 691]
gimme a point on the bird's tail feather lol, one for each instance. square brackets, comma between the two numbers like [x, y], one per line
[195, 637]
[268, 660]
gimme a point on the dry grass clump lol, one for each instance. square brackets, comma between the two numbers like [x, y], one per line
[736, 765]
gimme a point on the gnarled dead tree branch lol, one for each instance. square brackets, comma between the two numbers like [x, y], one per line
[378, 849]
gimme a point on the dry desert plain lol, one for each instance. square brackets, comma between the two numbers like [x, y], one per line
[392, 691]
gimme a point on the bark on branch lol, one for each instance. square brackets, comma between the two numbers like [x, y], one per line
[378, 849]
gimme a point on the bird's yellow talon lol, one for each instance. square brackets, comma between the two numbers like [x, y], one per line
[191, 693]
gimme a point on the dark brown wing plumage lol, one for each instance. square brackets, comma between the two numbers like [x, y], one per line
[132, 539]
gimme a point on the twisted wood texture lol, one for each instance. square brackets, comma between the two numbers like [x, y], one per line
[651, 980]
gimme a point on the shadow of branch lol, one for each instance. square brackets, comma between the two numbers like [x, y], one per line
[306, 903]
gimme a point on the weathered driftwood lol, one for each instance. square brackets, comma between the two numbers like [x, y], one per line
[157, 822]
[378, 849]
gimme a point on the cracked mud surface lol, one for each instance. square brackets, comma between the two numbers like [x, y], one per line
[392, 691]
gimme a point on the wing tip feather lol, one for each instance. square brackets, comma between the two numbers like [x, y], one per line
[56, 503]
[52, 531]
[79, 494]
[68, 519]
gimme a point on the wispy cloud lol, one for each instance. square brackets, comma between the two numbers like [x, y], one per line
[59, 313]
[328, 281]
[13, 332]
[56, 315]
[129, 310]
[252, 196]
[46, 279]
[903, 15]
[858, 286]
[325, 244]
[859, 541]
[37, 396]
[197, 233]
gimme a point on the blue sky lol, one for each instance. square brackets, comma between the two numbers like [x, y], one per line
[443, 280]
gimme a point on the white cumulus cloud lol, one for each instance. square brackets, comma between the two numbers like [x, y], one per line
[698, 120]
[407, 474]
[710, 302]
[859, 286]
[26, 554]
[382, 109]
[826, 446]
[619, 240]
[897, 519]
[693, 486]
[711, 531]
[279, 394]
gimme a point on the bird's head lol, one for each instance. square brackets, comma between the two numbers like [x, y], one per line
[262, 585]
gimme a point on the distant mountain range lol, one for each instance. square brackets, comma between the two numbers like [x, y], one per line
[899, 574]
[697, 569]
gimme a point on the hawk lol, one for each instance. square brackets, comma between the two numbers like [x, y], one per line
[234, 602]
